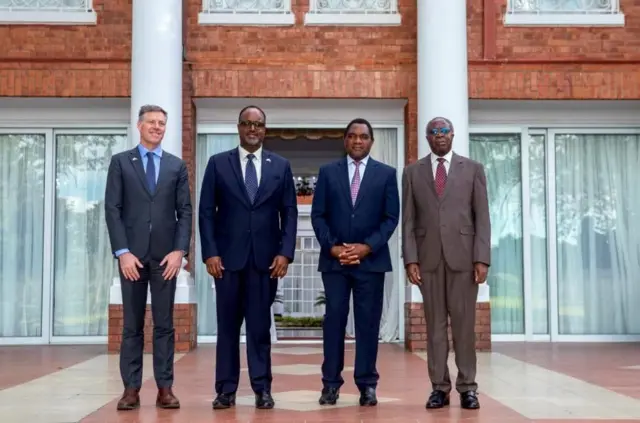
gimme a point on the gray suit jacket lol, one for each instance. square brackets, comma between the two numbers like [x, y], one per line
[150, 226]
[456, 226]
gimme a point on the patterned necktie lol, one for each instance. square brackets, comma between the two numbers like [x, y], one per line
[441, 177]
[151, 172]
[251, 178]
[355, 183]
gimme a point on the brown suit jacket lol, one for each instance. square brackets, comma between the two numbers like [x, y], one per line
[456, 226]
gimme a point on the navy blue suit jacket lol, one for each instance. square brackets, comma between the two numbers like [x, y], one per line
[231, 227]
[372, 220]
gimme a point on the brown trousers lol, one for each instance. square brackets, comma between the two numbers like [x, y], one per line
[449, 293]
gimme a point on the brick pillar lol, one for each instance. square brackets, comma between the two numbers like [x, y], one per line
[415, 327]
[185, 317]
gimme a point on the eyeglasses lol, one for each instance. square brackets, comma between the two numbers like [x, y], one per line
[443, 131]
[249, 123]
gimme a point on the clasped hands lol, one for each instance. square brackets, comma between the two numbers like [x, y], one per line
[278, 267]
[350, 254]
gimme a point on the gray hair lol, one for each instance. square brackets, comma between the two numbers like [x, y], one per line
[148, 108]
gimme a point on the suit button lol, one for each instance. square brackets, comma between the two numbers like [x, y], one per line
[353, 215]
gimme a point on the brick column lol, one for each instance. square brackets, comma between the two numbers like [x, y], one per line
[185, 316]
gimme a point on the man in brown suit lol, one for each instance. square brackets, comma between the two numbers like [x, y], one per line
[446, 234]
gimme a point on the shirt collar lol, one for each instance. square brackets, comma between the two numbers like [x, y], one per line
[363, 161]
[447, 157]
[144, 150]
[244, 153]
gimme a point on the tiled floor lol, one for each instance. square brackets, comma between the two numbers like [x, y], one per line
[518, 383]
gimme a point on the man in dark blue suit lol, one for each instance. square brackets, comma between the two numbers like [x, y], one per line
[354, 213]
[248, 223]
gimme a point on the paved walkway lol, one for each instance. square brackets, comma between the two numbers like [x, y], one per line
[518, 383]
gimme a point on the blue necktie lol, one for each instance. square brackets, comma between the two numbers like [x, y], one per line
[151, 173]
[251, 178]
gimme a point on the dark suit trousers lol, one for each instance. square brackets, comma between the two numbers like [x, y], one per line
[247, 294]
[449, 293]
[134, 302]
[368, 292]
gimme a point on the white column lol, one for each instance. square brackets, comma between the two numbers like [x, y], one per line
[156, 66]
[156, 78]
[443, 81]
[442, 70]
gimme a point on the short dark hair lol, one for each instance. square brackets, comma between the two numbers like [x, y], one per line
[359, 121]
[447, 121]
[148, 108]
[264, 115]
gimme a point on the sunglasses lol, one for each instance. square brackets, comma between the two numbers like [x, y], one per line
[436, 131]
[249, 123]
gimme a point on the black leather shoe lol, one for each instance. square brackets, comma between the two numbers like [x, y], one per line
[329, 396]
[438, 399]
[223, 401]
[368, 397]
[469, 400]
[264, 400]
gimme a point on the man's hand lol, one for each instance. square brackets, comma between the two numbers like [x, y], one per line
[360, 250]
[214, 267]
[279, 267]
[129, 265]
[413, 273]
[481, 271]
[173, 262]
[345, 254]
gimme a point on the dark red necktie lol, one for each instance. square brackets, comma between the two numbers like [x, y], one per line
[441, 177]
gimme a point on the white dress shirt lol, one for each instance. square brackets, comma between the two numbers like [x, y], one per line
[351, 165]
[257, 162]
[447, 162]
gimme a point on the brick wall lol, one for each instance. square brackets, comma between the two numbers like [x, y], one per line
[184, 320]
[415, 329]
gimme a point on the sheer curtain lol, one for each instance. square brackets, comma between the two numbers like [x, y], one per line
[598, 233]
[207, 146]
[385, 150]
[22, 159]
[500, 155]
[83, 263]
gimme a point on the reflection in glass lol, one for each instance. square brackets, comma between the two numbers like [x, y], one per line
[84, 264]
[500, 155]
[22, 158]
[598, 233]
[537, 220]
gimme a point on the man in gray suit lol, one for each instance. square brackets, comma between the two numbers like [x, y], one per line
[148, 213]
[446, 235]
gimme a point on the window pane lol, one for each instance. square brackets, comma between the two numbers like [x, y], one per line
[500, 154]
[537, 220]
[22, 235]
[598, 233]
[84, 264]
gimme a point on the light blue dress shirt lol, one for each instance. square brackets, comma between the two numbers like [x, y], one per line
[157, 155]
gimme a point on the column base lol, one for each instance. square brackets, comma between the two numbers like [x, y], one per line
[415, 336]
[185, 317]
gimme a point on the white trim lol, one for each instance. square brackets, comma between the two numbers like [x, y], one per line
[39, 17]
[48, 275]
[212, 339]
[519, 338]
[32, 112]
[564, 19]
[353, 19]
[527, 284]
[597, 338]
[79, 340]
[247, 19]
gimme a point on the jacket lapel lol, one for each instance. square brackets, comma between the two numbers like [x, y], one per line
[367, 179]
[266, 177]
[234, 161]
[343, 179]
[427, 170]
[165, 163]
[455, 169]
[136, 162]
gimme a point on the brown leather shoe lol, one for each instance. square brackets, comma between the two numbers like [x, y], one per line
[166, 399]
[130, 400]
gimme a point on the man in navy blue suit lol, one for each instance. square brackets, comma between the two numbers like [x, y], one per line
[248, 222]
[354, 213]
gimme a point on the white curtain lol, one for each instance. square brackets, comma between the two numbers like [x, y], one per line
[385, 150]
[22, 158]
[84, 266]
[500, 155]
[598, 233]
